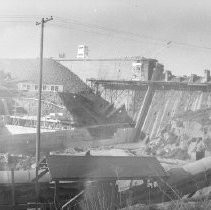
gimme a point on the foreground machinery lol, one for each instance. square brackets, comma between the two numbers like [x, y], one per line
[79, 182]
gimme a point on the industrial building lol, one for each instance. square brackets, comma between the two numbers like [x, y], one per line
[63, 92]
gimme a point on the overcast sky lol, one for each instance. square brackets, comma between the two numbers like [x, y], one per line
[112, 28]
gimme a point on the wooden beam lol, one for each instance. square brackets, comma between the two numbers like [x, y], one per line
[13, 187]
[72, 199]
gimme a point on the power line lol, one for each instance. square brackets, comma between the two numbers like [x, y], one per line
[71, 21]
[102, 33]
[111, 30]
[20, 16]
[192, 45]
[67, 23]
[15, 21]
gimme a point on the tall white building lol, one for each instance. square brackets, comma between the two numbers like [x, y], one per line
[82, 51]
[137, 71]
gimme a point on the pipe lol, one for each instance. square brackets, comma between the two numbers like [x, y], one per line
[72, 199]
[181, 181]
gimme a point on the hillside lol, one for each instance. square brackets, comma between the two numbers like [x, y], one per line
[53, 73]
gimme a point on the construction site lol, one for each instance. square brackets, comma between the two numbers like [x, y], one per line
[141, 141]
[111, 111]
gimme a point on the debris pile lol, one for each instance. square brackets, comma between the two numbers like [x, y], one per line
[182, 139]
[168, 146]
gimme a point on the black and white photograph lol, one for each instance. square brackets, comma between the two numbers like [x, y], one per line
[105, 105]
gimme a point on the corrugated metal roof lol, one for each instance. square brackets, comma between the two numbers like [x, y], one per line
[103, 167]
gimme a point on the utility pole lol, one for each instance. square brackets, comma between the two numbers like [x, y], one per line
[42, 23]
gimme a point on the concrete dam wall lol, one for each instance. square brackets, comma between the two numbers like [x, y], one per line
[168, 104]
[168, 101]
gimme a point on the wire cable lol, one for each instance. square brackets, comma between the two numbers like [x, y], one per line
[68, 23]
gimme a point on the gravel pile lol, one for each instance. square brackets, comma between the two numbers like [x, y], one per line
[183, 137]
[169, 146]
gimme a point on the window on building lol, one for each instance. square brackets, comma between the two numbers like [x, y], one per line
[48, 88]
[56, 88]
[28, 87]
[52, 88]
[44, 87]
[138, 68]
[36, 87]
[142, 73]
